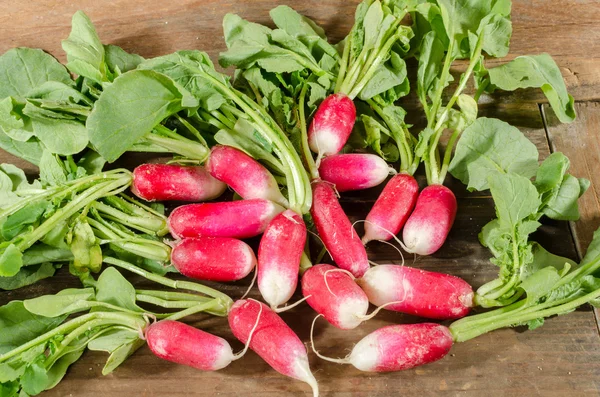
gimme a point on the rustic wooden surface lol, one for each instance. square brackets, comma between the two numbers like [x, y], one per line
[562, 358]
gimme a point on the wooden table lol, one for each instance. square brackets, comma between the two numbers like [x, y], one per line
[562, 358]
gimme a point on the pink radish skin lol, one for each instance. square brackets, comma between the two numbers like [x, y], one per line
[339, 300]
[338, 234]
[246, 176]
[279, 256]
[428, 226]
[163, 182]
[332, 124]
[399, 347]
[392, 208]
[273, 340]
[419, 292]
[236, 219]
[213, 258]
[183, 344]
[354, 171]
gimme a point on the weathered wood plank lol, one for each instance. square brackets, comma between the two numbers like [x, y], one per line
[580, 141]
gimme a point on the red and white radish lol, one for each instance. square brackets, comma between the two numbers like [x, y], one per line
[273, 340]
[279, 255]
[429, 224]
[213, 258]
[333, 293]
[398, 347]
[164, 182]
[237, 219]
[392, 208]
[336, 231]
[417, 292]
[331, 125]
[354, 171]
[183, 344]
[246, 176]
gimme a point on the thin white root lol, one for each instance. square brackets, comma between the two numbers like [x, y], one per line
[288, 307]
[241, 354]
[333, 271]
[251, 283]
[374, 313]
[404, 247]
[312, 344]
[392, 171]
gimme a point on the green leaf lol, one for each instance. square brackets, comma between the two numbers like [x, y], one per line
[27, 276]
[430, 64]
[30, 151]
[187, 68]
[543, 258]
[515, 198]
[23, 69]
[536, 71]
[120, 354]
[373, 19]
[112, 339]
[563, 206]
[41, 253]
[540, 283]
[27, 215]
[85, 52]
[19, 326]
[593, 250]
[113, 288]
[60, 366]
[389, 75]
[10, 261]
[130, 108]
[67, 301]
[35, 378]
[491, 146]
[91, 162]
[496, 30]
[59, 92]
[63, 137]
[52, 171]
[119, 60]
[551, 172]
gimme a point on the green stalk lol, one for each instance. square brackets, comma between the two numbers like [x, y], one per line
[192, 129]
[128, 320]
[308, 158]
[208, 307]
[439, 127]
[149, 225]
[172, 296]
[461, 334]
[343, 66]
[71, 208]
[175, 284]
[177, 144]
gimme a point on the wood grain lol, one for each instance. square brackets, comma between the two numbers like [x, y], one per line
[562, 358]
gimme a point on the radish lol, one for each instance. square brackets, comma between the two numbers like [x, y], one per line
[237, 219]
[279, 256]
[152, 182]
[273, 340]
[332, 124]
[213, 258]
[397, 347]
[246, 176]
[428, 226]
[392, 208]
[334, 294]
[417, 292]
[339, 236]
[183, 344]
[354, 171]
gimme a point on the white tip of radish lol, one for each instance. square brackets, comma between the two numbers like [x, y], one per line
[326, 143]
[275, 288]
[302, 372]
[352, 312]
[224, 358]
[418, 240]
[364, 354]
